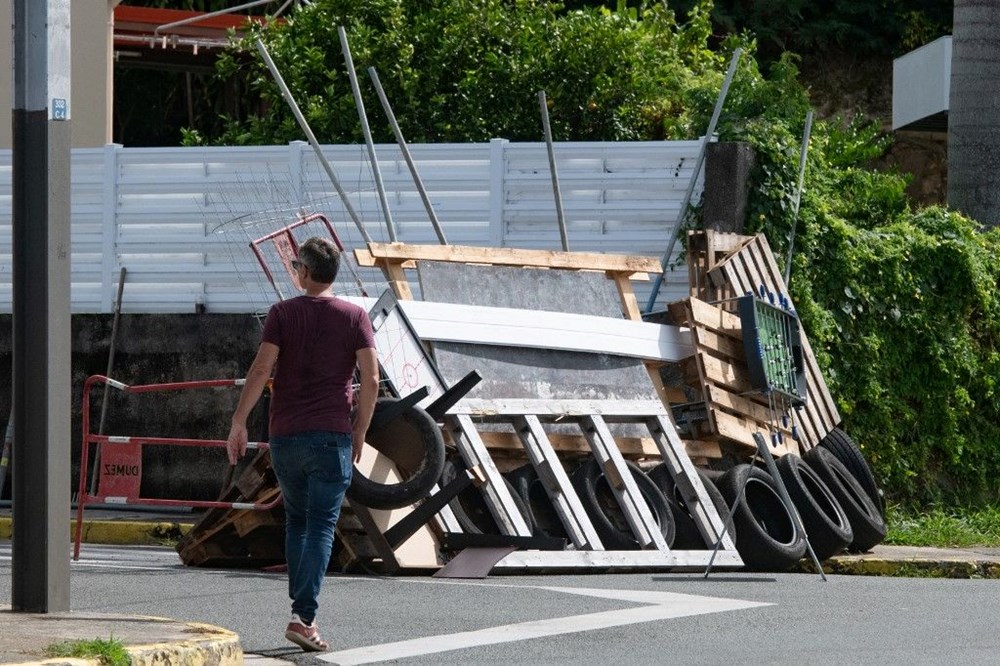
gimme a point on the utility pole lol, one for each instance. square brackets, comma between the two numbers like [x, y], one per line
[41, 262]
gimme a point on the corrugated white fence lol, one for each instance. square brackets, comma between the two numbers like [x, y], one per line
[180, 219]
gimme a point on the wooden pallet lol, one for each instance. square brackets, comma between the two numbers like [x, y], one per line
[733, 411]
[240, 538]
[706, 249]
[744, 271]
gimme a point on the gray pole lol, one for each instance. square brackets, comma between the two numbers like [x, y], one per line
[694, 177]
[560, 216]
[406, 155]
[798, 195]
[331, 174]
[360, 103]
[41, 312]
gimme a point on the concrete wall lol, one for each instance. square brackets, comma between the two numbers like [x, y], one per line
[91, 91]
[157, 349]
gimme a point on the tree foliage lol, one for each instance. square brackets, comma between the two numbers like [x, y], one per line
[899, 304]
[470, 70]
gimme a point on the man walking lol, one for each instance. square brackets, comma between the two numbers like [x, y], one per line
[314, 343]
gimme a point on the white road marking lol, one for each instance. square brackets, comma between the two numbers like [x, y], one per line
[656, 606]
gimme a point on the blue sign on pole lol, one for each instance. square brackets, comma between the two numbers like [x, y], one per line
[58, 108]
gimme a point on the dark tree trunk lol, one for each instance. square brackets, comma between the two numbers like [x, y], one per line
[974, 115]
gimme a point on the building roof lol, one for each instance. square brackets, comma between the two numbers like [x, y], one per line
[173, 38]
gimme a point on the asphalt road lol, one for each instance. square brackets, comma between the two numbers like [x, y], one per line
[730, 618]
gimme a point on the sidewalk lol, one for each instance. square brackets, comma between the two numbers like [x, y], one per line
[166, 642]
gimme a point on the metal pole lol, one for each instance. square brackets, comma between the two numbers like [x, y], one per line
[287, 94]
[560, 217]
[107, 387]
[694, 177]
[367, 132]
[798, 195]
[406, 155]
[41, 306]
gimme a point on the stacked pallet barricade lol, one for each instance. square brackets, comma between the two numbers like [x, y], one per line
[240, 537]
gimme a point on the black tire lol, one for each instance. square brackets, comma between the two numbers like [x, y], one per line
[413, 442]
[687, 536]
[532, 492]
[602, 506]
[840, 444]
[866, 520]
[768, 540]
[826, 524]
[470, 508]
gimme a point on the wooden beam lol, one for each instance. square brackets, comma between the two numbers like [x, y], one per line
[591, 261]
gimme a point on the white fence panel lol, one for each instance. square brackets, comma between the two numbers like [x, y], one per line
[179, 220]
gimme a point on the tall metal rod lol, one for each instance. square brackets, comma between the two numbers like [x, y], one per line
[664, 262]
[798, 195]
[406, 155]
[560, 216]
[111, 364]
[376, 172]
[287, 94]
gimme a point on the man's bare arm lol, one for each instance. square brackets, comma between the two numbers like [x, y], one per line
[256, 380]
[367, 394]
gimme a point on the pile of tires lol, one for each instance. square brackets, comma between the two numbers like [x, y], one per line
[687, 536]
[833, 491]
[599, 502]
[605, 513]
[470, 507]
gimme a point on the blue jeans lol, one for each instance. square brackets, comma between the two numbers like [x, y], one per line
[313, 470]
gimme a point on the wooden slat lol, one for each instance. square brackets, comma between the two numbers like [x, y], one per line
[634, 447]
[725, 374]
[721, 345]
[713, 318]
[740, 431]
[508, 257]
[742, 406]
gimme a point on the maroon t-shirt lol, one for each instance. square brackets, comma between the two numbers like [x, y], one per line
[318, 339]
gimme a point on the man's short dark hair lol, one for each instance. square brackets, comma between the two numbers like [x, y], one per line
[322, 258]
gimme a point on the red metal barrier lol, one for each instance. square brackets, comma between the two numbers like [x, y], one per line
[121, 458]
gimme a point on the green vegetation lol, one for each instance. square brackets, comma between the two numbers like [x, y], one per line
[898, 303]
[944, 529]
[111, 652]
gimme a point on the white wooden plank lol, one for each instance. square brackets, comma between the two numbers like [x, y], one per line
[616, 559]
[558, 409]
[546, 330]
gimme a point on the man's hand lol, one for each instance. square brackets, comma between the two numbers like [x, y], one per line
[236, 444]
[357, 443]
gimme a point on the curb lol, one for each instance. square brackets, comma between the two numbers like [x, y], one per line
[201, 645]
[119, 532]
[917, 567]
[221, 648]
